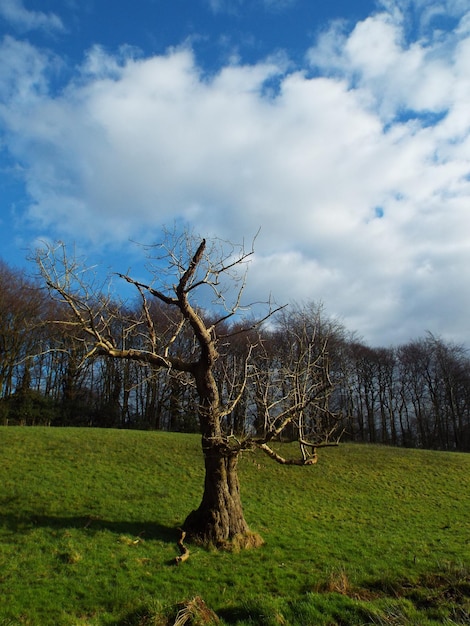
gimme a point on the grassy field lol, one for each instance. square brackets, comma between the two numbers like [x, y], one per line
[371, 535]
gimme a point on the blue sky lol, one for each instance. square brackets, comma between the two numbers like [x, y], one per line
[341, 129]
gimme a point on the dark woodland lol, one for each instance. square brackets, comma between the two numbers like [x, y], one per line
[413, 395]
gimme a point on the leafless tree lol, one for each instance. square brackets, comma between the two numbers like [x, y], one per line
[293, 384]
[22, 312]
[185, 270]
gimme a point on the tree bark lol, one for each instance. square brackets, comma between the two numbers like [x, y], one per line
[219, 520]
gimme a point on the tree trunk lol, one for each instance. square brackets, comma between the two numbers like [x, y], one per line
[219, 520]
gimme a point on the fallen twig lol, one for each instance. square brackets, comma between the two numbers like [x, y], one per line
[182, 548]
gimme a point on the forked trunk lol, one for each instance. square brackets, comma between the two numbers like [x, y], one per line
[219, 520]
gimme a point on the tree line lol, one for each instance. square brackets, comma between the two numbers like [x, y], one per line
[415, 395]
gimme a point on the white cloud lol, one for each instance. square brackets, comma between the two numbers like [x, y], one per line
[23, 75]
[14, 12]
[359, 178]
[396, 76]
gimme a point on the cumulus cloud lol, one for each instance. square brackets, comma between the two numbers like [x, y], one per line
[396, 77]
[24, 20]
[356, 167]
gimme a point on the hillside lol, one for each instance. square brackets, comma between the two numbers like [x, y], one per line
[371, 535]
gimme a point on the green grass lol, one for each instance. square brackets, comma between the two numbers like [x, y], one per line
[371, 535]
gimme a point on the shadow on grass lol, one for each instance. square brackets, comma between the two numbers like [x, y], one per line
[144, 530]
[253, 615]
[247, 614]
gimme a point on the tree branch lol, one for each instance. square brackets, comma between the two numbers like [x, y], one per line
[283, 461]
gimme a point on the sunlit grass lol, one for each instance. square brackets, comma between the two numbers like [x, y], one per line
[371, 535]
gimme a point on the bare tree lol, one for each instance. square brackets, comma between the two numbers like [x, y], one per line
[181, 268]
[293, 385]
[23, 309]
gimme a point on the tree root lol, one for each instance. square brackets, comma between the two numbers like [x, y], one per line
[182, 548]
